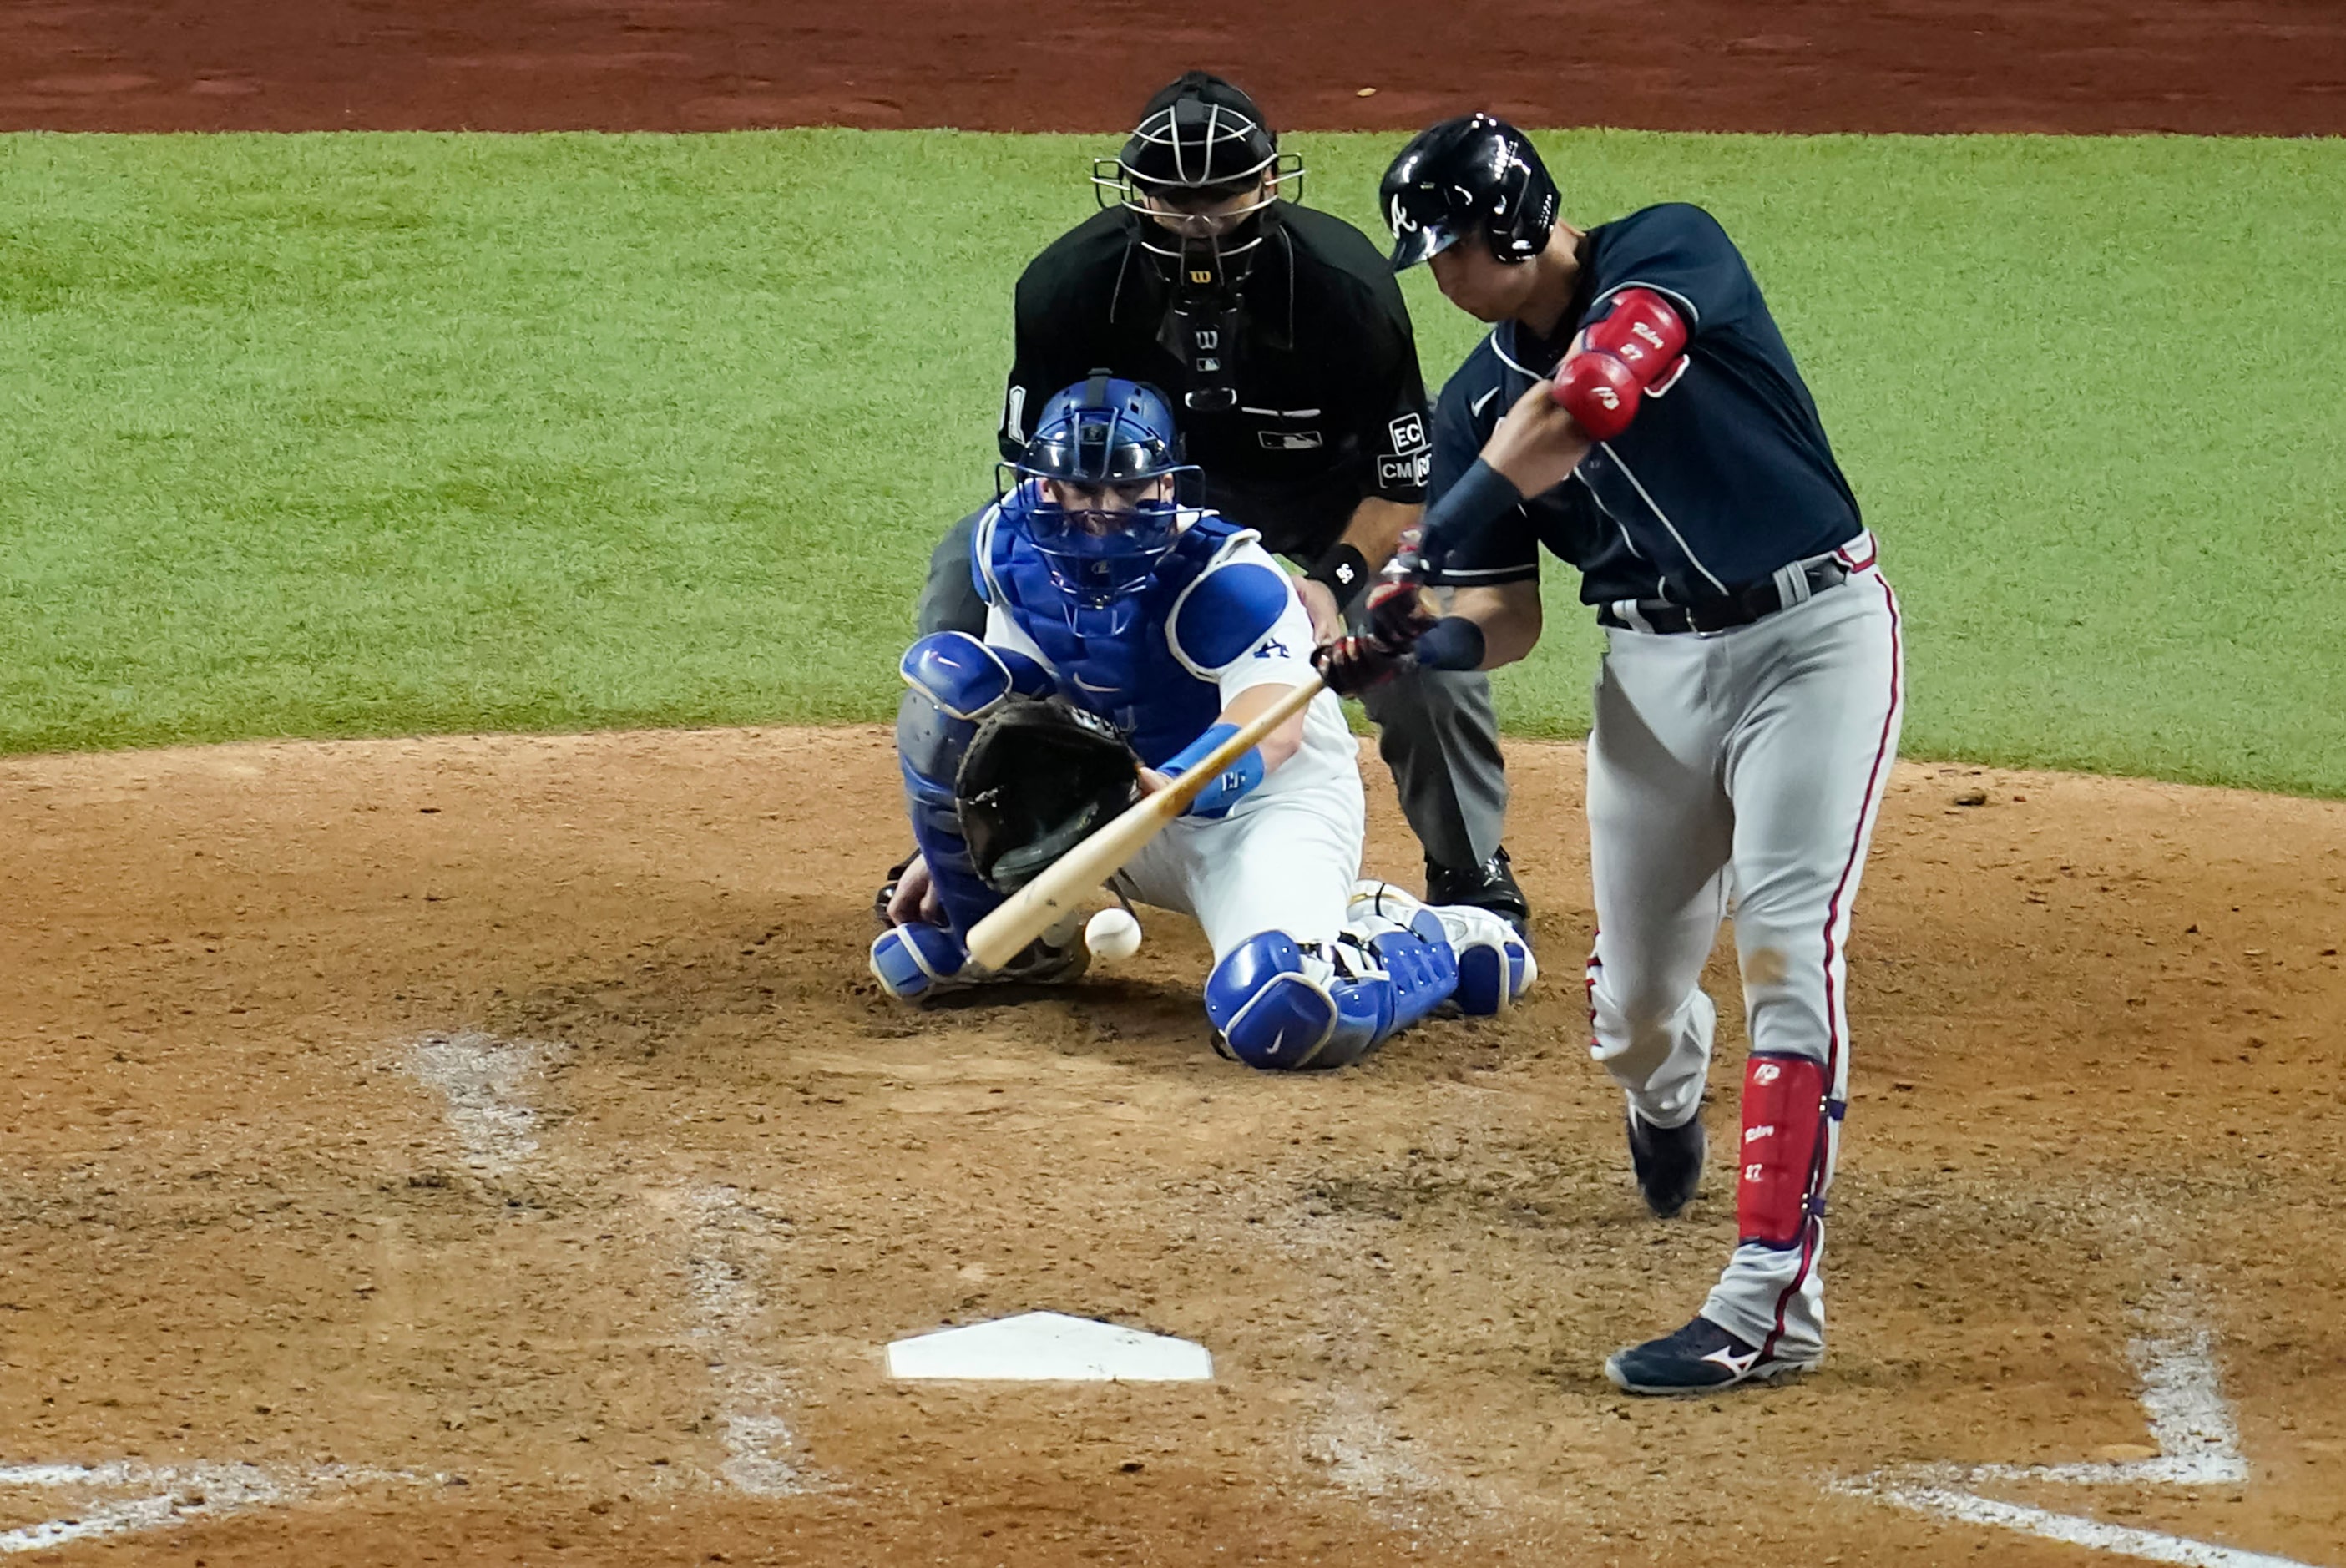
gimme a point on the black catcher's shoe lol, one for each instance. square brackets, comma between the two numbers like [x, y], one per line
[1490, 886]
[1699, 1358]
[1669, 1162]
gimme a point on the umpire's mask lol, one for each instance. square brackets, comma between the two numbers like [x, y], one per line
[1200, 171]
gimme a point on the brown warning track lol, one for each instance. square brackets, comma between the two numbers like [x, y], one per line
[2208, 66]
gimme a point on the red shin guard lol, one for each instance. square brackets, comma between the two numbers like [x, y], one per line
[1783, 1136]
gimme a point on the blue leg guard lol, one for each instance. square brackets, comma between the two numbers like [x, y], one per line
[955, 681]
[1421, 967]
[911, 960]
[1279, 1005]
[1494, 964]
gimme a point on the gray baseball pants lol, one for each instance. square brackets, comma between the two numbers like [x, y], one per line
[1745, 770]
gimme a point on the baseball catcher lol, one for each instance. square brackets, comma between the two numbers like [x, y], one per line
[1127, 634]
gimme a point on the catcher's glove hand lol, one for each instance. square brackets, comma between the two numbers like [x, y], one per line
[1038, 778]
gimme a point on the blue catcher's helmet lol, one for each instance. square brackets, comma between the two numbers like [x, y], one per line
[1115, 441]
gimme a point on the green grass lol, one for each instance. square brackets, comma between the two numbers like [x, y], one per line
[362, 434]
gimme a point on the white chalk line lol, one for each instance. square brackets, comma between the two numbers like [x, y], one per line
[2190, 1422]
[167, 1494]
[2190, 1425]
[485, 1081]
[2150, 1545]
[1362, 1456]
[755, 1430]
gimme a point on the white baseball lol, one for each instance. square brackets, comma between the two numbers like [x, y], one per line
[1112, 934]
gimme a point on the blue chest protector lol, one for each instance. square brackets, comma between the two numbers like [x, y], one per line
[1118, 659]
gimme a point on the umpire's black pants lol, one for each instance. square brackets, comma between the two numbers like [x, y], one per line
[1435, 729]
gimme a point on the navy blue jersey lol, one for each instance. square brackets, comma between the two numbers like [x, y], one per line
[1720, 480]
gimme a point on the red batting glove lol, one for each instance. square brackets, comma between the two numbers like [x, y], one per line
[1393, 617]
[1351, 664]
[1394, 614]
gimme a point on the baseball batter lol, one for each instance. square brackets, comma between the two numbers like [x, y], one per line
[1636, 411]
[1171, 628]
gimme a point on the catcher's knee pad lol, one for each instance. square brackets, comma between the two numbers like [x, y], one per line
[911, 960]
[967, 678]
[955, 681]
[928, 746]
[1278, 1007]
[1786, 1151]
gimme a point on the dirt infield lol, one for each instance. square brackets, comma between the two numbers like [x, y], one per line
[491, 1152]
[2209, 66]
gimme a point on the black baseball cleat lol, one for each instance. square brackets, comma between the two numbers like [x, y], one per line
[1699, 1358]
[1046, 963]
[1667, 1161]
[887, 893]
[1490, 886]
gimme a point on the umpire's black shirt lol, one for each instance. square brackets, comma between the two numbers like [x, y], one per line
[1330, 405]
[1720, 480]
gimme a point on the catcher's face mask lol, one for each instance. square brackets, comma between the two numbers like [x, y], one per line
[1096, 489]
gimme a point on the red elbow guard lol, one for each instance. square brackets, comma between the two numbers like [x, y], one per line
[1599, 391]
[1781, 1161]
[1644, 332]
[1640, 348]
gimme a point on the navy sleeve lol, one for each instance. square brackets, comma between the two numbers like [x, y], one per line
[1457, 437]
[1681, 252]
[1507, 550]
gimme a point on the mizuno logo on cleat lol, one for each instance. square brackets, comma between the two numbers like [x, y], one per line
[1739, 1365]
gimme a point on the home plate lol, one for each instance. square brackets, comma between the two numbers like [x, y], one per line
[1051, 1348]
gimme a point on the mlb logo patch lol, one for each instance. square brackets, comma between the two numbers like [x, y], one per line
[1290, 440]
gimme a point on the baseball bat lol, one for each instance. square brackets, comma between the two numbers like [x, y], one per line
[1043, 903]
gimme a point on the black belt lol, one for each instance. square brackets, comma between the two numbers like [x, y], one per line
[1736, 607]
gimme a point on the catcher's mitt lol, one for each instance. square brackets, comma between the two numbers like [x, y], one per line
[1035, 780]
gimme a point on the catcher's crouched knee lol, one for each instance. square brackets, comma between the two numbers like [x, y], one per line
[1275, 1007]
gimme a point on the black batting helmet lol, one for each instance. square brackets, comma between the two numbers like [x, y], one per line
[1475, 171]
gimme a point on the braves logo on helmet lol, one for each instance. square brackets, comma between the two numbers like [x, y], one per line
[1474, 171]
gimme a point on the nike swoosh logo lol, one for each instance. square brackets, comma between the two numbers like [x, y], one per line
[1485, 401]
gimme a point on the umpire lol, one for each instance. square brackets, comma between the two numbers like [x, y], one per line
[1281, 335]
